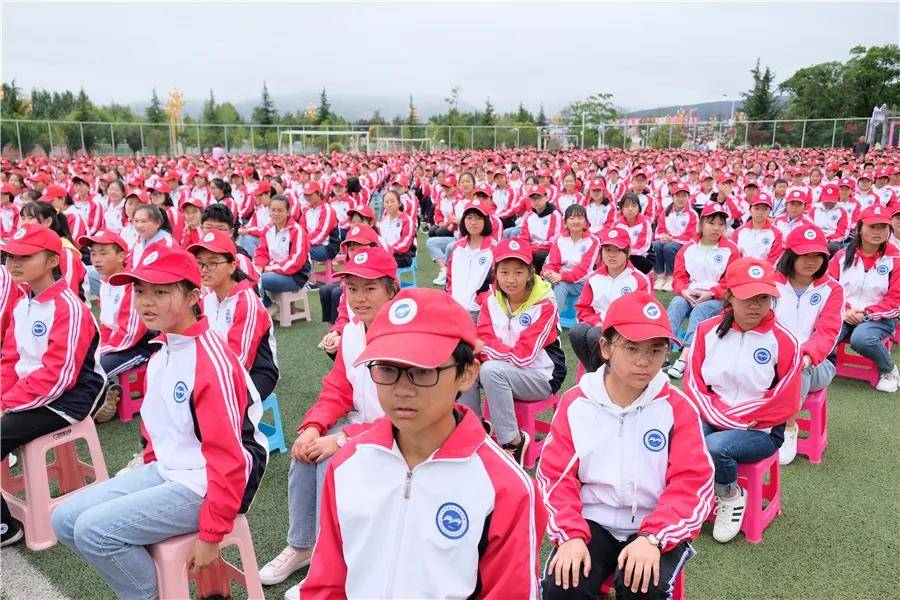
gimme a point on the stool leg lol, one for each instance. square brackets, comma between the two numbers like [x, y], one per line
[71, 476]
[38, 532]
[252, 582]
[172, 583]
[751, 526]
[214, 580]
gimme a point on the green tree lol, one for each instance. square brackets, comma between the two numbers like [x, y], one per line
[819, 91]
[62, 104]
[488, 117]
[412, 116]
[523, 116]
[759, 102]
[873, 79]
[453, 102]
[154, 112]
[265, 113]
[323, 113]
[210, 110]
[14, 106]
[541, 120]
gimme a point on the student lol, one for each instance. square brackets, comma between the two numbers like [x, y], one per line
[153, 228]
[810, 305]
[639, 229]
[321, 224]
[341, 202]
[795, 212]
[191, 211]
[601, 210]
[869, 270]
[124, 341]
[398, 229]
[624, 472]
[234, 309]
[86, 204]
[614, 277]
[699, 268]
[62, 202]
[9, 214]
[133, 198]
[283, 252]
[540, 224]
[160, 198]
[744, 380]
[218, 217]
[758, 237]
[425, 481]
[70, 263]
[471, 260]
[522, 358]
[358, 237]
[114, 218]
[348, 392]
[572, 256]
[569, 194]
[252, 231]
[675, 227]
[49, 373]
[447, 219]
[831, 218]
[205, 455]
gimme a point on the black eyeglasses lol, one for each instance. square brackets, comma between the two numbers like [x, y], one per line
[383, 374]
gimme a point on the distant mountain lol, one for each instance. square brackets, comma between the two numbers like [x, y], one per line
[720, 109]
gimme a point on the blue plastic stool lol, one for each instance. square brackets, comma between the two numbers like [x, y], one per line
[568, 316]
[275, 433]
[410, 269]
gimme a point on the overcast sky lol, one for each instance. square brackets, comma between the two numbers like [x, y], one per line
[646, 55]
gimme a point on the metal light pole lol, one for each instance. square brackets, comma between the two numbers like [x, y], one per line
[731, 120]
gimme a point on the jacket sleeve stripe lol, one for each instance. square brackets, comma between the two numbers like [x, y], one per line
[67, 374]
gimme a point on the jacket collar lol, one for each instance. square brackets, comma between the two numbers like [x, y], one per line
[464, 440]
[194, 331]
[53, 290]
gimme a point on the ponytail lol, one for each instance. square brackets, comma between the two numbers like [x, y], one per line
[727, 317]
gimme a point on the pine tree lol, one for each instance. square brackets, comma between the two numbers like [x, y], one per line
[523, 116]
[324, 112]
[210, 110]
[541, 118]
[83, 107]
[13, 105]
[760, 103]
[488, 117]
[412, 117]
[265, 113]
[154, 111]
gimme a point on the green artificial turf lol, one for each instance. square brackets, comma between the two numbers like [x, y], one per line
[838, 536]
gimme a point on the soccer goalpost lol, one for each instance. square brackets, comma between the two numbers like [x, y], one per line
[358, 141]
[386, 144]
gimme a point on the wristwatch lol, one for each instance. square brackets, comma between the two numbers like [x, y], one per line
[341, 440]
[652, 539]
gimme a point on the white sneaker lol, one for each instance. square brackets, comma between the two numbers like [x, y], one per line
[729, 516]
[13, 459]
[788, 451]
[441, 279]
[667, 284]
[889, 382]
[677, 369]
[293, 593]
[283, 566]
[136, 462]
[660, 280]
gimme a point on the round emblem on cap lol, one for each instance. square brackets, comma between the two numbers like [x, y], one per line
[403, 311]
[355, 230]
[877, 210]
[476, 202]
[651, 311]
[717, 206]
[361, 258]
[19, 234]
[613, 234]
[514, 245]
[810, 234]
[756, 272]
[150, 258]
[209, 237]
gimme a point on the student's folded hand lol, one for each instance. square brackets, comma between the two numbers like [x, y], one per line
[573, 557]
[301, 444]
[322, 448]
[639, 562]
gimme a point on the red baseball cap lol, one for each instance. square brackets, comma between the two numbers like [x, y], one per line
[513, 248]
[597, 184]
[476, 204]
[140, 193]
[161, 187]
[616, 236]
[713, 208]
[807, 239]
[161, 264]
[263, 187]
[41, 177]
[311, 187]
[681, 187]
[370, 263]
[190, 200]
[339, 180]
[415, 329]
[485, 189]
[363, 210]
[846, 182]
[86, 179]
[449, 181]
[534, 190]
[361, 234]
[54, 191]
[865, 175]
[104, 236]
[762, 198]
[638, 316]
[748, 277]
[830, 193]
[798, 196]
[7, 188]
[216, 241]
[172, 175]
[833, 167]
[32, 238]
[875, 214]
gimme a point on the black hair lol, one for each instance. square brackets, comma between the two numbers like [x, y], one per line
[187, 287]
[119, 183]
[727, 316]
[575, 210]
[222, 185]
[850, 255]
[353, 186]
[156, 214]
[466, 174]
[488, 226]
[787, 261]
[168, 198]
[529, 285]
[385, 195]
[220, 213]
[630, 197]
[30, 195]
[463, 356]
[780, 180]
[44, 210]
[18, 177]
[282, 198]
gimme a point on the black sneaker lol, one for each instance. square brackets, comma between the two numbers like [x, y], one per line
[10, 533]
[517, 451]
[488, 427]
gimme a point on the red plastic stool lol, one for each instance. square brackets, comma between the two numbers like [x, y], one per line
[134, 384]
[816, 426]
[677, 587]
[67, 470]
[326, 275]
[172, 573]
[751, 477]
[850, 364]
[526, 418]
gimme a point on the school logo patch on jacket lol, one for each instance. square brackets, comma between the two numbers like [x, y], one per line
[452, 520]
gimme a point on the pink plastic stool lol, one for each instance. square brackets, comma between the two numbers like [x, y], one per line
[527, 418]
[134, 384]
[751, 477]
[677, 587]
[852, 365]
[67, 470]
[326, 275]
[173, 577]
[816, 426]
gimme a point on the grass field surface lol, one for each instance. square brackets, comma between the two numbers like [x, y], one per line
[839, 536]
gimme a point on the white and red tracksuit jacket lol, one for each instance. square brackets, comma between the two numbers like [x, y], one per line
[398, 233]
[465, 523]
[49, 355]
[833, 222]
[286, 250]
[701, 267]
[815, 317]
[600, 290]
[341, 205]
[468, 272]
[77, 224]
[765, 244]
[120, 326]
[601, 216]
[565, 200]
[319, 223]
[871, 284]
[642, 468]
[786, 225]
[573, 260]
[9, 220]
[866, 199]
[114, 218]
[142, 247]
[505, 202]
[200, 417]
[640, 233]
[540, 229]
[73, 270]
[10, 292]
[680, 224]
[259, 220]
[347, 390]
[744, 377]
[91, 211]
[444, 207]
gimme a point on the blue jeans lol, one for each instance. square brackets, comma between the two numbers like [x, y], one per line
[680, 309]
[664, 257]
[305, 498]
[868, 337]
[730, 447]
[109, 524]
[274, 283]
[321, 253]
[94, 278]
[437, 247]
[511, 232]
[563, 290]
[249, 243]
